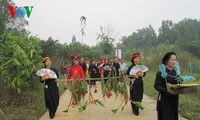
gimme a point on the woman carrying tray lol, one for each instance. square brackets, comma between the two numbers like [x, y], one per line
[167, 103]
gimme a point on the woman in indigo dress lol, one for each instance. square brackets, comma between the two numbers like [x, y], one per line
[51, 91]
[136, 84]
[167, 103]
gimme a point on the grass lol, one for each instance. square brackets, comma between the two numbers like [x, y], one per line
[149, 85]
[189, 105]
[33, 109]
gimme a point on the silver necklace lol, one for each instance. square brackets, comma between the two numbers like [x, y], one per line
[172, 76]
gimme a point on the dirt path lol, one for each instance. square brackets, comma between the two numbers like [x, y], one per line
[94, 112]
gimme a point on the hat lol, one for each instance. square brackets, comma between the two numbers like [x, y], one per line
[74, 56]
[135, 55]
[45, 58]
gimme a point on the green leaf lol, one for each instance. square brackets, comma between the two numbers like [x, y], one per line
[66, 110]
[75, 91]
[85, 104]
[139, 105]
[15, 59]
[81, 109]
[18, 82]
[18, 90]
[16, 62]
[114, 110]
[2, 112]
[122, 108]
[13, 83]
[8, 62]
[100, 103]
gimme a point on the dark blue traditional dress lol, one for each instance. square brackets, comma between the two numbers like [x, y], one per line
[136, 90]
[93, 71]
[167, 104]
[51, 94]
[84, 67]
[106, 69]
[115, 69]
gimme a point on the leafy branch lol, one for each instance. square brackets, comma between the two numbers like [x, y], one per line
[83, 26]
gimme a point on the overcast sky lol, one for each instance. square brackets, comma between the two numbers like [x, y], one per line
[60, 18]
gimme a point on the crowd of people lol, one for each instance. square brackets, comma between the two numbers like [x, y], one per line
[167, 103]
[96, 68]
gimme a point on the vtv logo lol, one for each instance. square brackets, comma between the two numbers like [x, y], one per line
[20, 12]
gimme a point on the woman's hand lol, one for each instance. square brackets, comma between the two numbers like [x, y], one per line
[56, 80]
[173, 92]
[43, 78]
[140, 74]
[136, 76]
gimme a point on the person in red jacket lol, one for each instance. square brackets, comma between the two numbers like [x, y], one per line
[75, 70]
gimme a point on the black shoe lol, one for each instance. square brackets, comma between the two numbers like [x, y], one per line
[136, 112]
[95, 91]
[52, 116]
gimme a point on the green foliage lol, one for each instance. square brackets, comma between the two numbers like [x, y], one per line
[189, 35]
[78, 90]
[20, 60]
[143, 38]
[106, 46]
[184, 35]
[83, 26]
[106, 41]
[49, 47]
[167, 33]
[189, 106]
[114, 110]
[149, 84]
[4, 14]
[30, 103]
[100, 103]
[59, 52]
[153, 56]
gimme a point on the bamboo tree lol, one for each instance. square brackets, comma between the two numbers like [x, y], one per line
[83, 26]
[105, 39]
[20, 60]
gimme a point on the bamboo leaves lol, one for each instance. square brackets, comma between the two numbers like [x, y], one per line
[114, 110]
[79, 89]
[2, 114]
[105, 39]
[83, 26]
[117, 85]
[19, 61]
[99, 102]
